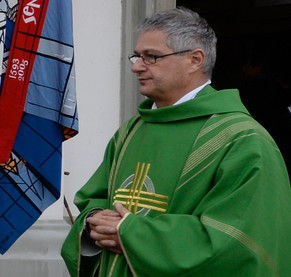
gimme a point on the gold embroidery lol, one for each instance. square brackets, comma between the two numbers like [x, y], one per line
[135, 197]
[146, 192]
[138, 181]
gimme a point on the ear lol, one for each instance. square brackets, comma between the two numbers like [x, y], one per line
[197, 59]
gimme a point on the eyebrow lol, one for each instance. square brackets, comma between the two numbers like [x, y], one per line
[149, 51]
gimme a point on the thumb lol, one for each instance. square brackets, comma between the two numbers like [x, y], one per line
[121, 210]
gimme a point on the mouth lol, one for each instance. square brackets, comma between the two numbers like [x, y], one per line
[143, 80]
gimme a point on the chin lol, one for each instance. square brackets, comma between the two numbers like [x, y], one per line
[145, 93]
[148, 91]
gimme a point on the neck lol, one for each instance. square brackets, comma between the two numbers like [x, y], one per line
[182, 97]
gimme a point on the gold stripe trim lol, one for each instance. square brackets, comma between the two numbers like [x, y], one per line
[242, 238]
[142, 206]
[132, 197]
[213, 145]
[145, 192]
[113, 265]
[219, 123]
[145, 173]
[140, 175]
[122, 196]
[212, 161]
[124, 249]
[197, 173]
[116, 163]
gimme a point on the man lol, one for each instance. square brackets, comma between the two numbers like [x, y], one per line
[191, 186]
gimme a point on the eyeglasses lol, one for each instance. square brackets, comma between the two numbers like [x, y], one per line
[151, 59]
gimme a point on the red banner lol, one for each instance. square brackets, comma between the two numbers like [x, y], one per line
[28, 27]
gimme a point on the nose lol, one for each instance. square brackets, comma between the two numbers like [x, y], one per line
[138, 66]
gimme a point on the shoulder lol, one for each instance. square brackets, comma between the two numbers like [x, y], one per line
[226, 128]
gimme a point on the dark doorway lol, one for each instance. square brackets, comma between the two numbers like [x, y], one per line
[254, 55]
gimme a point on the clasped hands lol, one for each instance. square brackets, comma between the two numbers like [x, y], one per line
[103, 226]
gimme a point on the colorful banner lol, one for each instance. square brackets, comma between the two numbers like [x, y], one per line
[38, 109]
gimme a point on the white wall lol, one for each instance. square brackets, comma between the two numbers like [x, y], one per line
[97, 36]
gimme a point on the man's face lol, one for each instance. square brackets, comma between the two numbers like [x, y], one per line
[167, 80]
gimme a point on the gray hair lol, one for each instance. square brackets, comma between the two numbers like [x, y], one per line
[186, 29]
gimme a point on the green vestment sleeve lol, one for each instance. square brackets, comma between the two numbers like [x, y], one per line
[90, 197]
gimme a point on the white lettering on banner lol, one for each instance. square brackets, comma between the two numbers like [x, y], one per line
[28, 12]
[18, 68]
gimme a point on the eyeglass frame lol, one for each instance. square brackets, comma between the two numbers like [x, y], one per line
[153, 57]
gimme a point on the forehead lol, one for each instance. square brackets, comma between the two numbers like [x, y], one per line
[151, 40]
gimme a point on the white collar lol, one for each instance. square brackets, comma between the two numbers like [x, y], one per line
[190, 95]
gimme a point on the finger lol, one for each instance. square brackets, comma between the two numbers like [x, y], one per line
[103, 220]
[112, 249]
[101, 236]
[98, 244]
[107, 230]
[108, 213]
[108, 243]
[121, 210]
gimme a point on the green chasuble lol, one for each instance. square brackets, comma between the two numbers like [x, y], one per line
[208, 192]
